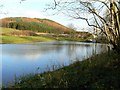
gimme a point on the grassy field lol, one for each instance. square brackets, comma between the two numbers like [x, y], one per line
[7, 39]
[100, 72]
[9, 36]
[6, 30]
[23, 39]
[69, 39]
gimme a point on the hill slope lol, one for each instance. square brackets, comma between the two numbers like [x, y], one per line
[34, 24]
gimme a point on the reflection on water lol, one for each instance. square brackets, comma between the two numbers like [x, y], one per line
[0, 67]
[19, 59]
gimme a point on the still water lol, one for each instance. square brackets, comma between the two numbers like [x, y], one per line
[22, 59]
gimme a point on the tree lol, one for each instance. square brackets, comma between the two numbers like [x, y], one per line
[71, 26]
[93, 12]
[73, 30]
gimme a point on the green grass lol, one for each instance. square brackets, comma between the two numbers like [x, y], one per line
[100, 72]
[6, 30]
[22, 39]
[69, 39]
[8, 37]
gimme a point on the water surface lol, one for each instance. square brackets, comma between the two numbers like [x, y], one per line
[22, 59]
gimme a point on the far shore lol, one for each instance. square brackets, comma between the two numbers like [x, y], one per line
[29, 39]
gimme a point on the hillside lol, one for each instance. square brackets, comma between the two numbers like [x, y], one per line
[17, 27]
[34, 24]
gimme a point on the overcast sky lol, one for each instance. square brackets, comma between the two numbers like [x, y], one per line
[35, 9]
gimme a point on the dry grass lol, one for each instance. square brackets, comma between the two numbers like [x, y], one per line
[14, 32]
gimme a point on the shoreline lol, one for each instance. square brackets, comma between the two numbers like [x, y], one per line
[23, 39]
[29, 39]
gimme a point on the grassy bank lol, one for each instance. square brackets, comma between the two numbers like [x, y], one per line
[23, 39]
[6, 39]
[9, 35]
[101, 72]
[69, 39]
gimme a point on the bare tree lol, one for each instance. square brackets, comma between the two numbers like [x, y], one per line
[93, 12]
[71, 26]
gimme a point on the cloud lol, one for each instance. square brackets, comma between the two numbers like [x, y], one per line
[22, 12]
[32, 57]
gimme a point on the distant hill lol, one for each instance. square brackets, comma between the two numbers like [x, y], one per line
[34, 24]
